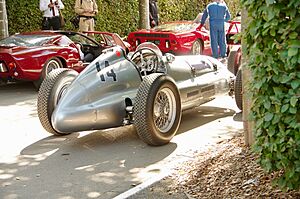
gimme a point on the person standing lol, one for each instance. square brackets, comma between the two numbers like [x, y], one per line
[87, 10]
[218, 14]
[153, 13]
[50, 9]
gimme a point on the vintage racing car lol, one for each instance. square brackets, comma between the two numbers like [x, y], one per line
[182, 37]
[144, 88]
[31, 56]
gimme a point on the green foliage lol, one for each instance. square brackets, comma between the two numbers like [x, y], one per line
[23, 16]
[120, 16]
[272, 41]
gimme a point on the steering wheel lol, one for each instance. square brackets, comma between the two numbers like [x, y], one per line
[147, 60]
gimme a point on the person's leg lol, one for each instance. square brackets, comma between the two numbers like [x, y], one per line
[55, 23]
[214, 40]
[222, 42]
[83, 24]
[91, 26]
[45, 24]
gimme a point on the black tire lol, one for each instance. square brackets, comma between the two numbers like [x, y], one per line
[157, 121]
[238, 90]
[197, 48]
[3, 82]
[234, 61]
[51, 90]
[51, 64]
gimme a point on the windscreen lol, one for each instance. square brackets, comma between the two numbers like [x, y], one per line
[151, 46]
[26, 40]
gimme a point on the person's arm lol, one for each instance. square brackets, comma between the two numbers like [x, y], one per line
[227, 15]
[95, 8]
[204, 17]
[78, 8]
[44, 5]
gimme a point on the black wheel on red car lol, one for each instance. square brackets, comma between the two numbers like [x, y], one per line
[157, 109]
[3, 82]
[51, 64]
[234, 60]
[238, 90]
[197, 48]
[50, 92]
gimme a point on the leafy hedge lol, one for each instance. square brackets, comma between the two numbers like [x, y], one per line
[272, 41]
[121, 16]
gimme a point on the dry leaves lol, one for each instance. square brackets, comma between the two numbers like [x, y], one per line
[228, 171]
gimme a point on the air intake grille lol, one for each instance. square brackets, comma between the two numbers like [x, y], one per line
[151, 35]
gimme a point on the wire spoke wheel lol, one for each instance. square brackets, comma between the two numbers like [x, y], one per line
[157, 109]
[164, 109]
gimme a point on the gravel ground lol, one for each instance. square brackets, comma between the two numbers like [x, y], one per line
[227, 170]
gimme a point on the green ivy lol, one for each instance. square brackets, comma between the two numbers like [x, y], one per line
[272, 41]
[121, 16]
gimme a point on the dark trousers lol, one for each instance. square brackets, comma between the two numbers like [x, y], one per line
[51, 23]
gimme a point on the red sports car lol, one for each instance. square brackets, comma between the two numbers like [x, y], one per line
[181, 37]
[31, 56]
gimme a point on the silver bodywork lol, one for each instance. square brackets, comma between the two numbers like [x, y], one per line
[103, 95]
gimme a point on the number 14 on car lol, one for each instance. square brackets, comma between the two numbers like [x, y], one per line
[109, 74]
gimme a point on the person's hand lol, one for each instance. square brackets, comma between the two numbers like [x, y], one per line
[50, 5]
[153, 23]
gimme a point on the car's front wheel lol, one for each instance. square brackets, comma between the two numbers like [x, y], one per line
[51, 64]
[51, 91]
[197, 48]
[157, 109]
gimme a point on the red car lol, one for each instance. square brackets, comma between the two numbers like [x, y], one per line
[31, 56]
[182, 37]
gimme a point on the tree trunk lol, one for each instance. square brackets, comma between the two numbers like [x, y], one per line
[3, 20]
[144, 14]
[246, 76]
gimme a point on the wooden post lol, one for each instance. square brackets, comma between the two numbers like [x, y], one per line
[144, 14]
[3, 20]
[246, 77]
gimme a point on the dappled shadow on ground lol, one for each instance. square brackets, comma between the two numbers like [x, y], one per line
[16, 92]
[238, 117]
[100, 163]
[18, 97]
[202, 115]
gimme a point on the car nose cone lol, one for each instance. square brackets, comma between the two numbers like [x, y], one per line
[74, 112]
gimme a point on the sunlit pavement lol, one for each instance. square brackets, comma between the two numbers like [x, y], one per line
[98, 164]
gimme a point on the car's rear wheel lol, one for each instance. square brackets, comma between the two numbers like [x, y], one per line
[51, 64]
[234, 60]
[3, 82]
[197, 48]
[157, 109]
[238, 90]
[50, 92]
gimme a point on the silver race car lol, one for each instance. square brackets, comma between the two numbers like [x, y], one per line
[143, 88]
